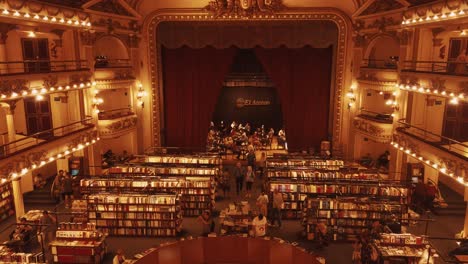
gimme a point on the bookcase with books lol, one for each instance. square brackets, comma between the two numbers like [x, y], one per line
[7, 255]
[196, 193]
[7, 206]
[346, 217]
[78, 243]
[408, 247]
[127, 214]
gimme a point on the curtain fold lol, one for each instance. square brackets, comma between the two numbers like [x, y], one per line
[192, 82]
[302, 77]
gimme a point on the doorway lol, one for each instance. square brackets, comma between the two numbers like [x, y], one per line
[38, 117]
[36, 55]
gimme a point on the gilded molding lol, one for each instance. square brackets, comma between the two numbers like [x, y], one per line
[379, 132]
[341, 20]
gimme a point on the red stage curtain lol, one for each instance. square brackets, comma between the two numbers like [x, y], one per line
[302, 78]
[192, 82]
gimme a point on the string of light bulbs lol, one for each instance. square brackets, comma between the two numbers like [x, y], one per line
[435, 17]
[44, 18]
[454, 97]
[39, 93]
[428, 162]
[65, 153]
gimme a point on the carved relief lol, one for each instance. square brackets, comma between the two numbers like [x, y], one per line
[244, 8]
[378, 132]
[438, 83]
[123, 74]
[382, 23]
[408, 79]
[50, 81]
[15, 85]
[463, 87]
[79, 78]
[111, 128]
[367, 76]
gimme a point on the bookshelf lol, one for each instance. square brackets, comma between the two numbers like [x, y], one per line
[196, 193]
[128, 214]
[404, 246]
[78, 243]
[347, 217]
[304, 162]
[7, 206]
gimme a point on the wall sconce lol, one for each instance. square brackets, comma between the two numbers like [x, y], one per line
[97, 101]
[140, 95]
[351, 96]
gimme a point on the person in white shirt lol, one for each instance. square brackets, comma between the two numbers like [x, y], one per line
[119, 257]
[262, 203]
[259, 225]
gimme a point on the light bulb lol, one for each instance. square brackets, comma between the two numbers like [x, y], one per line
[16, 13]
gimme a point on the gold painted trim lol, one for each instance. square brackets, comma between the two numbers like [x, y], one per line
[341, 20]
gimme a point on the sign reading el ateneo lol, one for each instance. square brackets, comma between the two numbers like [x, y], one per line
[241, 102]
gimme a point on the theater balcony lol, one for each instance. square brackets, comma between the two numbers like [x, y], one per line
[445, 155]
[378, 75]
[117, 122]
[376, 126]
[113, 73]
[37, 149]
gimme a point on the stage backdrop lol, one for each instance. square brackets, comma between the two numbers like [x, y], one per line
[193, 81]
[256, 105]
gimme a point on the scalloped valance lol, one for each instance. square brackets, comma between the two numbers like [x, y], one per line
[292, 34]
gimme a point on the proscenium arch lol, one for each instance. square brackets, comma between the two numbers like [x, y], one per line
[341, 58]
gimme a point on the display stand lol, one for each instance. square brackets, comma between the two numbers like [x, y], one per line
[237, 218]
[8, 256]
[78, 243]
[407, 247]
[135, 214]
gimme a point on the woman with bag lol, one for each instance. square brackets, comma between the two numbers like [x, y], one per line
[249, 180]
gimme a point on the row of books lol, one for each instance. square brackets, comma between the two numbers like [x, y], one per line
[189, 182]
[113, 223]
[338, 188]
[313, 174]
[314, 163]
[125, 215]
[132, 208]
[132, 199]
[334, 204]
[12, 257]
[214, 160]
[118, 231]
[77, 234]
[153, 171]
[353, 214]
[6, 201]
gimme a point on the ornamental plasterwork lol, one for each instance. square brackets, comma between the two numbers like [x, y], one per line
[14, 85]
[23, 161]
[408, 79]
[297, 14]
[50, 81]
[83, 137]
[243, 8]
[116, 127]
[38, 7]
[438, 83]
[114, 84]
[379, 132]
[79, 78]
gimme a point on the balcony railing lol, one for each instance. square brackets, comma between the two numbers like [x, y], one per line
[115, 113]
[380, 64]
[43, 137]
[111, 63]
[455, 147]
[375, 116]
[438, 67]
[41, 66]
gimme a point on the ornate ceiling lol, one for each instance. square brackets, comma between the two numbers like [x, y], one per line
[115, 6]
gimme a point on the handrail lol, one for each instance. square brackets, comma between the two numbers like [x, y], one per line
[376, 116]
[115, 113]
[460, 147]
[41, 66]
[111, 63]
[391, 63]
[440, 67]
[43, 136]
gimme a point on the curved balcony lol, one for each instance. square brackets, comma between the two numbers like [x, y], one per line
[378, 75]
[117, 122]
[112, 70]
[378, 127]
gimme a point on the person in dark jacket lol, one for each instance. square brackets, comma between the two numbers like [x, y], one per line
[239, 176]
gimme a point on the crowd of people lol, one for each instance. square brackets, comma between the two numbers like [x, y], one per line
[238, 136]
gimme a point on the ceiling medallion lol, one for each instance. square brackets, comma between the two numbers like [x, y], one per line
[244, 8]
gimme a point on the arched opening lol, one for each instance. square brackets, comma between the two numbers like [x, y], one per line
[383, 52]
[117, 52]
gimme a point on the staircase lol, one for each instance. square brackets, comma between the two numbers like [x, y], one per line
[40, 197]
[456, 204]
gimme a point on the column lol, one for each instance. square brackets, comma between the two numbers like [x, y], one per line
[18, 198]
[9, 109]
[93, 155]
[4, 28]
